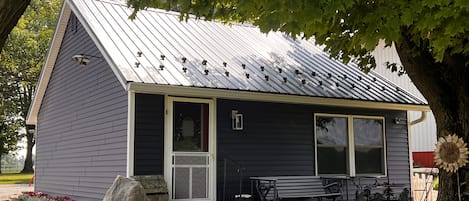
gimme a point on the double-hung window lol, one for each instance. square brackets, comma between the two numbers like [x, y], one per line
[350, 145]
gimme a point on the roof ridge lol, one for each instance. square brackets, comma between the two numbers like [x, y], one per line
[176, 13]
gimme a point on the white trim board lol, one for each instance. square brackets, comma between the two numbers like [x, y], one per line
[130, 133]
[49, 64]
[267, 97]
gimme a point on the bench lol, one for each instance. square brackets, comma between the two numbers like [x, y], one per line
[280, 187]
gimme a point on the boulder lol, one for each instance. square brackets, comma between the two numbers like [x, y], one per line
[155, 187]
[125, 189]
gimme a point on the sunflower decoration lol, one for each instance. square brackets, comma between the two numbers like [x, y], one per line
[451, 153]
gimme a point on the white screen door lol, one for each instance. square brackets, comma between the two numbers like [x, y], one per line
[191, 153]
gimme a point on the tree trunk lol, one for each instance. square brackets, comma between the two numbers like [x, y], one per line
[28, 162]
[10, 13]
[446, 88]
[0, 163]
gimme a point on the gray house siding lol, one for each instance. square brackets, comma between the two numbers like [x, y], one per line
[82, 123]
[278, 139]
[149, 134]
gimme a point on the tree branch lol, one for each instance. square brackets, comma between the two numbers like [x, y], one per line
[10, 13]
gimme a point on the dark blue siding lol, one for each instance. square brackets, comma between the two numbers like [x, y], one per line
[278, 139]
[149, 134]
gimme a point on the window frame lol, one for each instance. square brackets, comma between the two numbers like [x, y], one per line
[351, 168]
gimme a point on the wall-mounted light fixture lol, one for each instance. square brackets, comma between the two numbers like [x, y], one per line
[397, 120]
[81, 59]
[84, 59]
[236, 120]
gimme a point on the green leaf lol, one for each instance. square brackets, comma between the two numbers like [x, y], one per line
[20, 63]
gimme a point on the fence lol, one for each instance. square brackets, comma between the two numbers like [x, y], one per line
[422, 183]
[12, 168]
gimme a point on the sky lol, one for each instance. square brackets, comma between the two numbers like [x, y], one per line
[22, 151]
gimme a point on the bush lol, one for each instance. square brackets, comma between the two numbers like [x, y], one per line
[32, 196]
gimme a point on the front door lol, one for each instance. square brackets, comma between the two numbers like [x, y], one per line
[190, 136]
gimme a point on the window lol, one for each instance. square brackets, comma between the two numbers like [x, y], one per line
[332, 142]
[368, 145]
[350, 145]
[190, 127]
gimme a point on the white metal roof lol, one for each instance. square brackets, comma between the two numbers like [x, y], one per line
[164, 41]
[157, 48]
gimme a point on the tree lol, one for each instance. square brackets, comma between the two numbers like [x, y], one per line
[431, 38]
[10, 13]
[8, 125]
[21, 61]
[8, 128]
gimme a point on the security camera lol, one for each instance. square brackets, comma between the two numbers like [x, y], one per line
[81, 59]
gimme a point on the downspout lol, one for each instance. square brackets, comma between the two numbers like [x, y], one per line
[422, 118]
[419, 120]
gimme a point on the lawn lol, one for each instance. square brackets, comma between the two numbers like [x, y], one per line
[15, 178]
[11, 171]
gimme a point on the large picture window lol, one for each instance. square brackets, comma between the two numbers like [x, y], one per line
[349, 145]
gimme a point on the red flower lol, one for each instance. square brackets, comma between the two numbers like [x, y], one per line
[30, 193]
[47, 197]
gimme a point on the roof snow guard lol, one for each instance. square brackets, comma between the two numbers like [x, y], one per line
[157, 48]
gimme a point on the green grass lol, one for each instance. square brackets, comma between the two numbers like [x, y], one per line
[11, 171]
[15, 178]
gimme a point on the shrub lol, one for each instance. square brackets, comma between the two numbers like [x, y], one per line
[39, 196]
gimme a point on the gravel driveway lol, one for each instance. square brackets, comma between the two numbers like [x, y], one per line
[8, 191]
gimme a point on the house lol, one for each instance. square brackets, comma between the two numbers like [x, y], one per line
[423, 135]
[160, 96]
